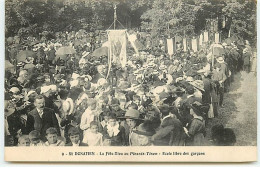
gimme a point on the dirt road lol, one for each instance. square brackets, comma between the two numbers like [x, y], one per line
[240, 109]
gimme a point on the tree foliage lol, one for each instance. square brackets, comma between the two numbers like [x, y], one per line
[161, 17]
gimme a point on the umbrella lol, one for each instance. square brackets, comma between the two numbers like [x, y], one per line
[66, 50]
[8, 65]
[22, 55]
[29, 66]
[102, 51]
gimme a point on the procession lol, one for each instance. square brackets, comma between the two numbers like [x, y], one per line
[121, 86]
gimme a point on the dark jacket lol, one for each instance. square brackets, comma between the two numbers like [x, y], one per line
[206, 97]
[170, 133]
[48, 120]
[16, 123]
[119, 139]
[246, 57]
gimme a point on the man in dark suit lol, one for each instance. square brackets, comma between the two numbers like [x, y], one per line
[43, 117]
[20, 124]
[206, 97]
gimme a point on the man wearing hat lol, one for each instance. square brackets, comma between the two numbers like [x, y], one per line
[196, 128]
[20, 123]
[130, 121]
[246, 58]
[46, 92]
[170, 131]
[219, 77]
[144, 133]
[206, 78]
[224, 68]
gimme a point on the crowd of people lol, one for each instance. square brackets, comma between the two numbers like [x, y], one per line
[66, 98]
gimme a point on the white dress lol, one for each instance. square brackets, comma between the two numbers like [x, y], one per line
[92, 139]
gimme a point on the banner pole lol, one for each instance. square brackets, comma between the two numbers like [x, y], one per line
[115, 17]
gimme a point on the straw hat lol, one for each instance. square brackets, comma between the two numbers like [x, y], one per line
[131, 114]
[220, 59]
[68, 106]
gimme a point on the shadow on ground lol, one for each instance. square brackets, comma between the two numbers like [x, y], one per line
[239, 112]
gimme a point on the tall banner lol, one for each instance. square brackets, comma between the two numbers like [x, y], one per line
[194, 45]
[117, 47]
[206, 36]
[217, 38]
[170, 46]
[200, 39]
[184, 44]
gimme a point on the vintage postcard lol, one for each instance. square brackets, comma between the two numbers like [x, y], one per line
[130, 81]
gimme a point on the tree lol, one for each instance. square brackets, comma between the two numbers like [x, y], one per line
[243, 18]
[167, 16]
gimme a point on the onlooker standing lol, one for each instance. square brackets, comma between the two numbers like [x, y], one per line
[44, 118]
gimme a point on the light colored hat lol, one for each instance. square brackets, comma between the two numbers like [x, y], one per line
[220, 59]
[179, 79]
[53, 87]
[45, 89]
[245, 50]
[82, 61]
[68, 106]
[88, 78]
[74, 83]
[75, 76]
[22, 72]
[30, 92]
[14, 90]
[163, 67]
[189, 79]
[131, 114]
[155, 72]
[101, 82]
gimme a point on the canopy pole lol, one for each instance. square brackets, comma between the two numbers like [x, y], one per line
[115, 17]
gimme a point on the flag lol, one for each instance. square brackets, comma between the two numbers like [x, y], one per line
[206, 36]
[200, 39]
[132, 38]
[170, 46]
[217, 39]
[117, 47]
[194, 45]
[184, 44]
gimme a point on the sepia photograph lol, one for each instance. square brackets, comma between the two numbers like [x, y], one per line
[130, 80]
